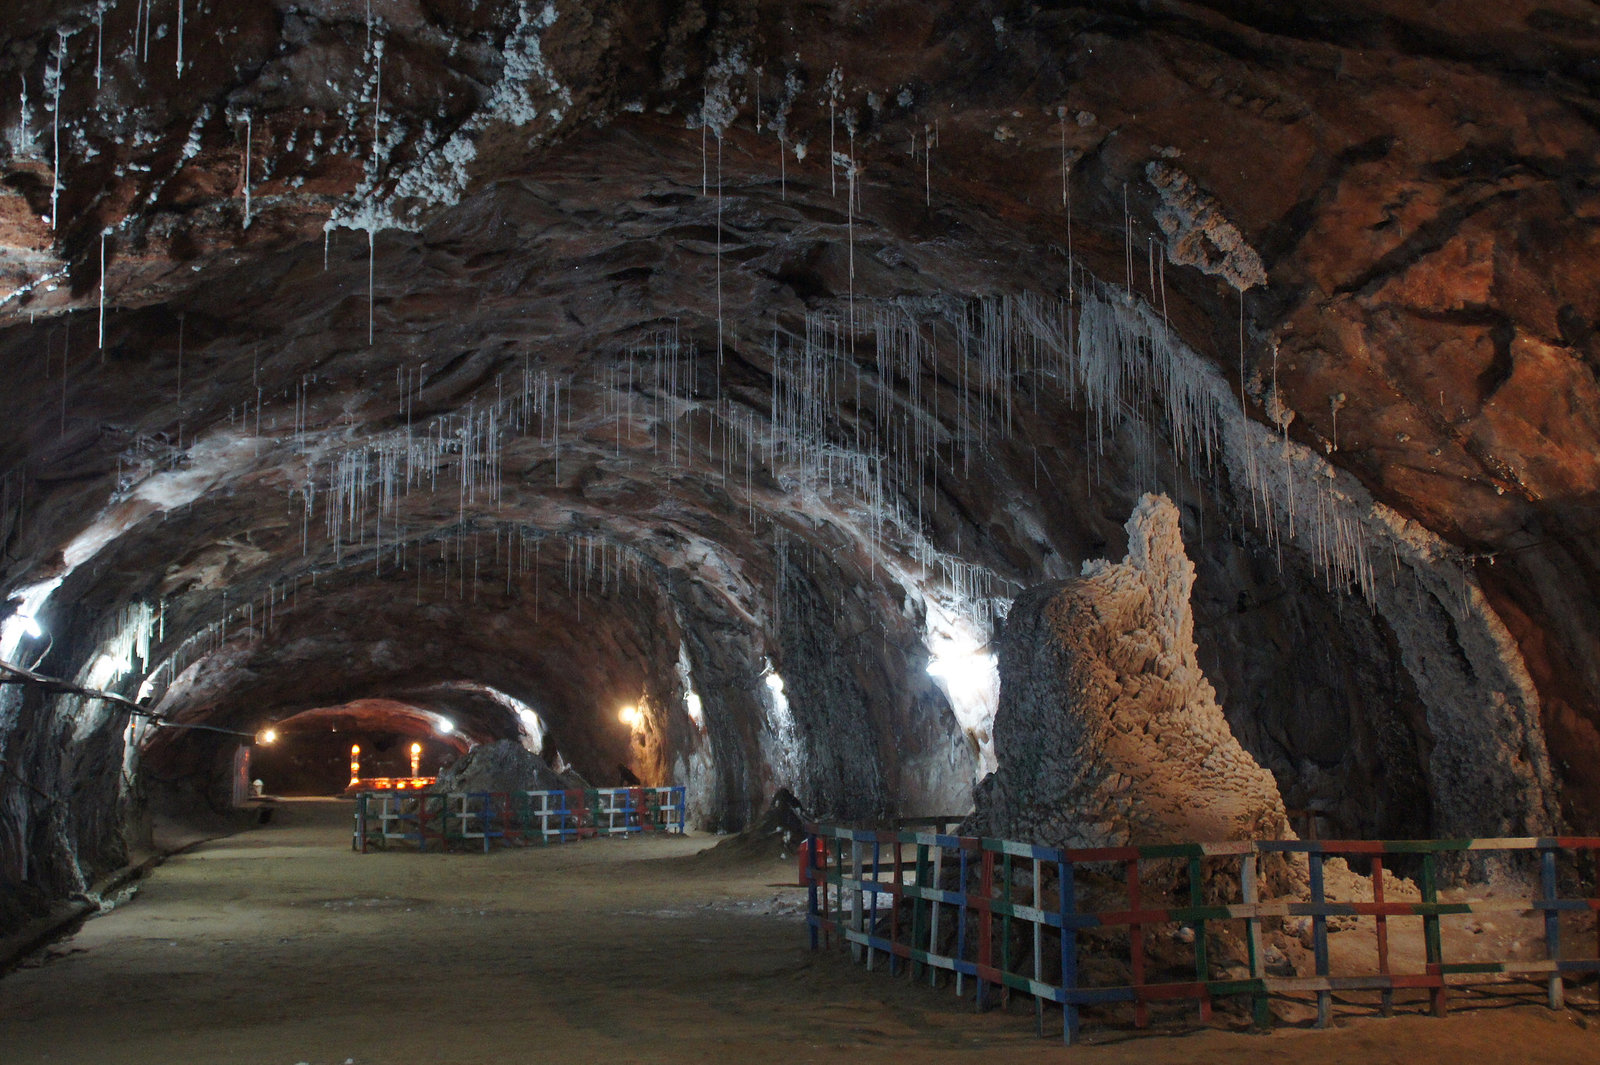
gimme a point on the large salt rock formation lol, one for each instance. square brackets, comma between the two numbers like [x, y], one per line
[1107, 731]
[504, 765]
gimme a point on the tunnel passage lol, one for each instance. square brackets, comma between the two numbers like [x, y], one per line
[746, 370]
[319, 751]
[502, 647]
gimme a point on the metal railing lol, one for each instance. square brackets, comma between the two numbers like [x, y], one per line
[513, 817]
[1026, 918]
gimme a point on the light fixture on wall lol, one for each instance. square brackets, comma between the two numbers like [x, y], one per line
[416, 757]
[267, 736]
[630, 716]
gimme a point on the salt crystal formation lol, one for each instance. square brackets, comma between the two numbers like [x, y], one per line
[1198, 233]
[1108, 733]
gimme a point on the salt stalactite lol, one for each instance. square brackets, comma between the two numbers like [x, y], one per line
[1061, 116]
[22, 116]
[102, 340]
[1244, 411]
[835, 82]
[99, 41]
[249, 130]
[780, 126]
[180, 39]
[859, 478]
[719, 258]
[377, 98]
[1131, 367]
[850, 125]
[55, 87]
[1100, 344]
[783, 170]
[371, 305]
[1103, 345]
[849, 164]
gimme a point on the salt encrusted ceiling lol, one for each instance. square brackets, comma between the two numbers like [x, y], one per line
[585, 350]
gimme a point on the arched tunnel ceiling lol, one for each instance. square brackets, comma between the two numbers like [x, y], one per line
[578, 349]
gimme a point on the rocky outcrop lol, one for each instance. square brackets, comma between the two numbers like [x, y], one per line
[504, 765]
[1108, 733]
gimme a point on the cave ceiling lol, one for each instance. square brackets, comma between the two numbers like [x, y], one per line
[369, 350]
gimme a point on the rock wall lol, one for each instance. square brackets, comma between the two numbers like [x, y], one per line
[68, 805]
[1108, 732]
[1316, 689]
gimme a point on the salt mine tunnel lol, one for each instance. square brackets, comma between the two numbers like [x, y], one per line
[467, 370]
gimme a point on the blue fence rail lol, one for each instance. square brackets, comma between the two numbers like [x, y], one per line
[1014, 916]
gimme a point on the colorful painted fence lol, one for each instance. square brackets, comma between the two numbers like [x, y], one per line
[1037, 920]
[516, 818]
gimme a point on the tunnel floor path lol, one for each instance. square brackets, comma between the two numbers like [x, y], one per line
[280, 946]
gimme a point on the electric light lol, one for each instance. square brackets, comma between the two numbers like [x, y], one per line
[629, 715]
[268, 736]
[416, 757]
[446, 726]
[30, 625]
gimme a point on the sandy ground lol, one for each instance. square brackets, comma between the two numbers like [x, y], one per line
[280, 946]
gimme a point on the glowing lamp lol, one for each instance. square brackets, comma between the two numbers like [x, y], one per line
[416, 757]
[630, 716]
[30, 625]
[268, 736]
[446, 727]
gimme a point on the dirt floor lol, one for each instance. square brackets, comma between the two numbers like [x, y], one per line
[280, 946]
